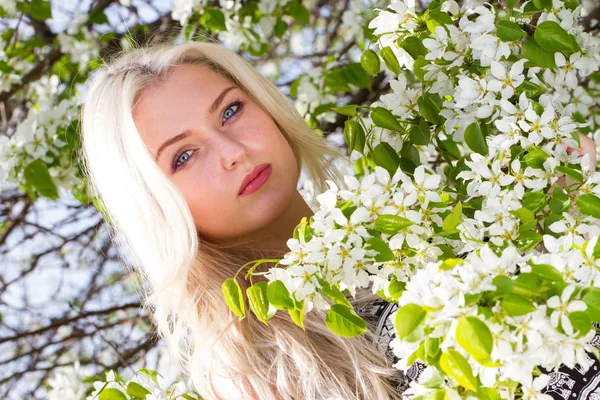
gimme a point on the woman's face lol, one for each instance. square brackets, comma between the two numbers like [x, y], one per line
[219, 148]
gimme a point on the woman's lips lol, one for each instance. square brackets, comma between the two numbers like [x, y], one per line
[257, 182]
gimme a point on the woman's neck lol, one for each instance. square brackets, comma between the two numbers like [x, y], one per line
[272, 239]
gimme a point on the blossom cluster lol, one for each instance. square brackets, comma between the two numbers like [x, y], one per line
[146, 384]
[475, 204]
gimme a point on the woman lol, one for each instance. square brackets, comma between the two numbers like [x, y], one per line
[196, 158]
[172, 137]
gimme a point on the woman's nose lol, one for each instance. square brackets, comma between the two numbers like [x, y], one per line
[231, 151]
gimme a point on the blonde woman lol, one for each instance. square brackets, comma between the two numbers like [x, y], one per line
[196, 158]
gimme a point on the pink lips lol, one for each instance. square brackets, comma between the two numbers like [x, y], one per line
[255, 179]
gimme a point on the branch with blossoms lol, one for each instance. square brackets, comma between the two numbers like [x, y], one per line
[475, 203]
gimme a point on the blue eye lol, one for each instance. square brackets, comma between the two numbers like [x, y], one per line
[227, 114]
[181, 157]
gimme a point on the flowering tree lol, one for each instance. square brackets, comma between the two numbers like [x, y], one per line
[69, 311]
[472, 207]
[462, 120]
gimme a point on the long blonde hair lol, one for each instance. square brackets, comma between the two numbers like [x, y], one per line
[182, 274]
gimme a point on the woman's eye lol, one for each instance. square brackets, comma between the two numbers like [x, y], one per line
[182, 159]
[234, 106]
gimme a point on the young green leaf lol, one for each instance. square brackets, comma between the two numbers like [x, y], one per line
[509, 31]
[384, 118]
[297, 314]
[391, 224]
[410, 318]
[390, 60]
[475, 140]
[589, 204]
[455, 365]
[370, 62]
[259, 301]
[386, 157]
[343, 321]
[552, 37]
[515, 305]
[475, 337]
[354, 136]
[279, 296]
[234, 297]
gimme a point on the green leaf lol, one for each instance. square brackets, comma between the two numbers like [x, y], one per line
[383, 250]
[536, 55]
[297, 11]
[418, 67]
[591, 297]
[334, 293]
[137, 390]
[213, 19]
[384, 118]
[410, 319]
[573, 173]
[559, 202]
[503, 284]
[396, 288]
[336, 80]
[36, 174]
[526, 216]
[370, 62]
[349, 110]
[386, 157]
[436, 17]
[548, 272]
[259, 300]
[356, 75]
[456, 366]
[343, 320]
[414, 47]
[535, 201]
[430, 105]
[589, 204]
[475, 337]
[234, 297]
[354, 136]
[390, 60]
[552, 37]
[150, 373]
[391, 224]
[530, 89]
[297, 314]
[420, 133]
[37, 9]
[450, 263]
[454, 219]
[279, 296]
[112, 394]
[535, 157]
[97, 17]
[528, 240]
[475, 140]
[541, 4]
[515, 305]
[581, 322]
[509, 31]
[280, 28]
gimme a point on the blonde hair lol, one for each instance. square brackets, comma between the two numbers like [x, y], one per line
[182, 274]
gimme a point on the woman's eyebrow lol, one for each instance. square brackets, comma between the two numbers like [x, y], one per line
[219, 99]
[185, 133]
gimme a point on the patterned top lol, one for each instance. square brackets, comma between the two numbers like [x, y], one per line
[579, 383]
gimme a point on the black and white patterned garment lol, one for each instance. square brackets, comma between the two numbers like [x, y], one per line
[579, 383]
